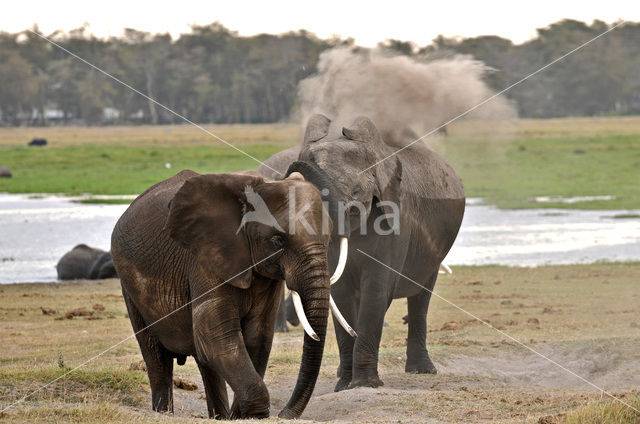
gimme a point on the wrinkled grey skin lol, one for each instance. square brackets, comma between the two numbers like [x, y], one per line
[198, 280]
[431, 201]
[84, 262]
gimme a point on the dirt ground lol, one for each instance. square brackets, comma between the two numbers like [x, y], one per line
[499, 385]
[586, 318]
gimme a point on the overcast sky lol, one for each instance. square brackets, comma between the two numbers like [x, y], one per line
[419, 21]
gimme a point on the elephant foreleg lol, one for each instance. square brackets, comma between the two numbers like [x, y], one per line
[418, 360]
[258, 330]
[216, 391]
[158, 360]
[220, 345]
[347, 305]
[374, 302]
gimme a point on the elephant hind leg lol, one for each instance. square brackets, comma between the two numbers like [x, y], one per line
[418, 360]
[216, 391]
[158, 360]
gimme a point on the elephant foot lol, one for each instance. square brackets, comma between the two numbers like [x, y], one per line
[371, 381]
[238, 412]
[255, 405]
[342, 384]
[162, 401]
[421, 366]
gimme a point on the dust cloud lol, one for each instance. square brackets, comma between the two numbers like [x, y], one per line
[397, 92]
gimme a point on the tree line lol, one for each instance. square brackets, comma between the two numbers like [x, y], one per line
[214, 75]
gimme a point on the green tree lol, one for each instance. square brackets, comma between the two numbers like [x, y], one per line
[18, 89]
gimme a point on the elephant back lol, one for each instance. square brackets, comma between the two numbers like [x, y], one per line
[275, 167]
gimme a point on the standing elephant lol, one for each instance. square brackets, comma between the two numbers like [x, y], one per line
[202, 259]
[374, 182]
[84, 262]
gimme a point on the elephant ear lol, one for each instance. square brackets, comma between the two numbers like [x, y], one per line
[388, 188]
[204, 217]
[317, 129]
[362, 129]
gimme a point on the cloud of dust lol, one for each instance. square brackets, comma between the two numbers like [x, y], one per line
[397, 91]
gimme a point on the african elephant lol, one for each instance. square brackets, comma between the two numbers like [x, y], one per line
[84, 262]
[202, 259]
[402, 206]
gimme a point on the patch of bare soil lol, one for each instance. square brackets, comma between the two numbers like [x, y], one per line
[506, 386]
[604, 365]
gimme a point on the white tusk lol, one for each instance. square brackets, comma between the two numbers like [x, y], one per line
[446, 268]
[297, 304]
[342, 260]
[340, 318]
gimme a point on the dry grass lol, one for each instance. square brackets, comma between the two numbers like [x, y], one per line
[288, 134]
[546, 128]
[579, 308]
[154, 135]
[98, 413]
[606, 411]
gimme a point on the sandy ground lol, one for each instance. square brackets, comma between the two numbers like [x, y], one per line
[512, 385]
[586, 318]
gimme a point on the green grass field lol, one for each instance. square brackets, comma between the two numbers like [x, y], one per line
[510, 173]
[508, 166]
[116, 169]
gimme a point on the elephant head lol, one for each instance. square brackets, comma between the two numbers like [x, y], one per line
[354, 171]
[241, 226]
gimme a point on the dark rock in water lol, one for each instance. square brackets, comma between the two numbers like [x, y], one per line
[4, 172]
[38, 142]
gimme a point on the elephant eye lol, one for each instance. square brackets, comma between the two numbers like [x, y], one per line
[355, 192]
[277, 241]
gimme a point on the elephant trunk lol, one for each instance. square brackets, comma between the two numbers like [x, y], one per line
[313, 286]
[331, 197]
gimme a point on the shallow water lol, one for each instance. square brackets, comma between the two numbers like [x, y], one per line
[534, 237]
[35, 233]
